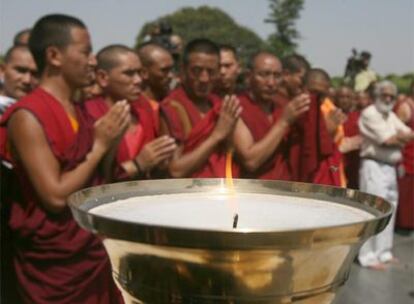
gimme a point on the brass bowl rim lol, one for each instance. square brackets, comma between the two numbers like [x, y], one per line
[82, 201]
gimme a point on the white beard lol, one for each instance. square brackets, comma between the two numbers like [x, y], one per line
[384, 108]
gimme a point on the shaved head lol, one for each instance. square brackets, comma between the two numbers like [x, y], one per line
[258, 57]
[318, 80]
[108, 57]
[151, 52]
[158, 70]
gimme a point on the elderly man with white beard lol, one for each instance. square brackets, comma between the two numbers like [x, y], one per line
[384, 135]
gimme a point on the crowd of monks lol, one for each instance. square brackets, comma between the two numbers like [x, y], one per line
[76, 119]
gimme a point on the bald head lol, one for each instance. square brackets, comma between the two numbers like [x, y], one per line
[108, 57]
[157, 70]
[22, 37]
[318, 81]
[150, 53]
[261, 57]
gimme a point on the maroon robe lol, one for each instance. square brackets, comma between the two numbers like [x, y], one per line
[55, 260]
[147, 129]
[276, 167]
[178, 107]
[352, 159]
[405, 210]
[312, 154]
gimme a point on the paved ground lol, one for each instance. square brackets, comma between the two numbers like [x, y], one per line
[392, 286]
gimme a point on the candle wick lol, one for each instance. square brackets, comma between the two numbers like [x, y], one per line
[235, 220]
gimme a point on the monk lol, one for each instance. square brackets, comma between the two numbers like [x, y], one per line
[19, 71]
[405, 210]
[230, 70]
[294, 69]
[331, 169]
[158, 74]
[157, 71]
[55, 150]
[350, 145]
[259, 137]
[309, 141]
[201, 122]
[140, 150]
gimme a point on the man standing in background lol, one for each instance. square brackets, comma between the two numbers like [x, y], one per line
[383, 137]
[19, 71]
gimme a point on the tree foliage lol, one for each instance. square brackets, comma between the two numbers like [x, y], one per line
[211, 23]
[283, 15]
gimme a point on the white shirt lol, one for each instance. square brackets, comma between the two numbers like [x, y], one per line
[5, 102]
[375, 129]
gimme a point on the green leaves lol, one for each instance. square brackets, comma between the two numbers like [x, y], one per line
[211, 23]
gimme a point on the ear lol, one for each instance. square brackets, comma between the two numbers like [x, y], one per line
[102, 78]
[54, 56]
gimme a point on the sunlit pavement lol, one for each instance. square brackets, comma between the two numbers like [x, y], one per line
[395, 285]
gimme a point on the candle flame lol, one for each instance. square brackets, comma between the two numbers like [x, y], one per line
[229, 171]
[230, 186]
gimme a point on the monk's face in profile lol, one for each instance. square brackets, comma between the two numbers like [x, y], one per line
[229, 70]
[200, 74]
[77, 61]
[19, 73]
[265, 77]
[124, 80]
[159, 74]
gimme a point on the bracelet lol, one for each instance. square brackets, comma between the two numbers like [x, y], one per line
[140, 172]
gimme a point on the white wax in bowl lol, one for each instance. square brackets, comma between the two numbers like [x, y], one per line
[214, 211]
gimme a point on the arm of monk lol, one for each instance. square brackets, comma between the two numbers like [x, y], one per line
[183, 165]
[371, 126]
[255, 154]
[151, 155]
[52, 185]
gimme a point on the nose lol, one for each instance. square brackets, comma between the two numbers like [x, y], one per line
[204, 76]
[271, 81]
[27, 78]
[92, 60]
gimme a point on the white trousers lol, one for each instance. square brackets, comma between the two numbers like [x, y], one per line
[379, 179]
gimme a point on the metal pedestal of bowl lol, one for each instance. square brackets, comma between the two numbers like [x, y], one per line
[159, 264]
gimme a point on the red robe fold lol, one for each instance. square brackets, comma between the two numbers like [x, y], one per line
[55, 260]
[313, 157]
[131, 144]
[352, 159]
[176, 108]
[276, 167]
[405, 210]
